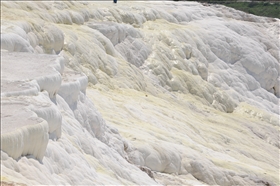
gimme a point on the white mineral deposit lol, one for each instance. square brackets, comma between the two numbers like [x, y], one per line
[138, 93]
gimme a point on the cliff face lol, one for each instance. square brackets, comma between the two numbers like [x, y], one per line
[138, 93]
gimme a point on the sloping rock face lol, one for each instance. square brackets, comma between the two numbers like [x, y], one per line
[43, 103]
[189, 93]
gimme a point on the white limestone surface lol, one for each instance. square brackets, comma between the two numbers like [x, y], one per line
[47, 76]
[22, 132]
[187, 92]
[35, 126]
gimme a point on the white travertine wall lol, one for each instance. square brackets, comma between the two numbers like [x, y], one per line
[188, 91]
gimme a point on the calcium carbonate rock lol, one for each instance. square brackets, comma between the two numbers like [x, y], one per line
[22, 131]
[185, 91]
